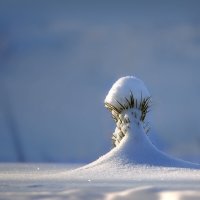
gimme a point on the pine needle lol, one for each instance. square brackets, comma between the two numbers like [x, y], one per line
[130, 103]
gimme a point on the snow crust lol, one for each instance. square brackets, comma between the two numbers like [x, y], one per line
[123, 87]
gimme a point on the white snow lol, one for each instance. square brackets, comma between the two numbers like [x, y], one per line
[55, 181]
[123, 87]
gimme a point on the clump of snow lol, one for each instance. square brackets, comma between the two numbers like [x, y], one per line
[122, 89]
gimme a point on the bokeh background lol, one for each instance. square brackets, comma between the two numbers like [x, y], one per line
[58, 59]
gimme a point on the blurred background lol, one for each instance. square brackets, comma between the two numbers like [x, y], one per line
[58, 59]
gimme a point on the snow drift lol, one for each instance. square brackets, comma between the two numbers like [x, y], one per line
[129, 101]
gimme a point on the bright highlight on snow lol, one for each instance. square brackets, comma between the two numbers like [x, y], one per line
[123, 88]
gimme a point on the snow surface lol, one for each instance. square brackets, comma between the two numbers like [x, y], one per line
[135, 148]
[55, 181]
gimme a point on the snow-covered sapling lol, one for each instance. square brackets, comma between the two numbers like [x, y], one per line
[128, 96]
[129, 100]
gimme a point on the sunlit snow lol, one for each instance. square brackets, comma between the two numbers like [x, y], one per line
[122, 88]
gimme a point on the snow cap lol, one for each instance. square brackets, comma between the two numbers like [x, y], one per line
[122, 89]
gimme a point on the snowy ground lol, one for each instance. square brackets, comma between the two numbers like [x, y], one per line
[55, 181]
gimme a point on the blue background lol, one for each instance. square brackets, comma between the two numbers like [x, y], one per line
[58, 59]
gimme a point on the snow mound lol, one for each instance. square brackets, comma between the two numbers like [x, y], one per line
[133, 149]
[136, 148]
